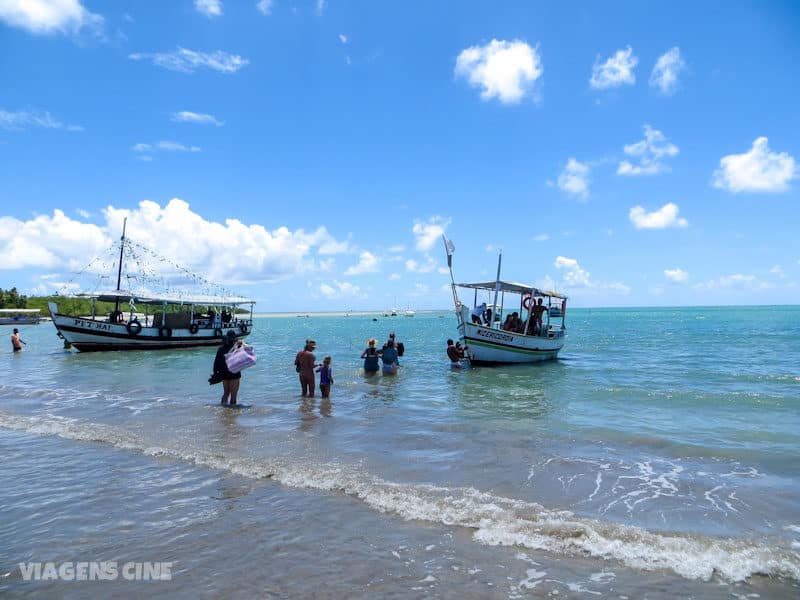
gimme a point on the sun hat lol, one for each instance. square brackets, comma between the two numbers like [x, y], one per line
[371, 342]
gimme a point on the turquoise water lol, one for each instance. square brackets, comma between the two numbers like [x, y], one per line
[657, 456]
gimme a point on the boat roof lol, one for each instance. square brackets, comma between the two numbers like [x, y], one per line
[27, 311]
[114, 295]
[512, 287]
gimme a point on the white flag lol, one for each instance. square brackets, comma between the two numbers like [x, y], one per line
[449, 247]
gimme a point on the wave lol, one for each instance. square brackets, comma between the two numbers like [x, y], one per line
[496, 520]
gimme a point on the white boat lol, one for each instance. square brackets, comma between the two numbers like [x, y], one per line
[20, 316]
[488, 343]
[153, 321]
[409, 313]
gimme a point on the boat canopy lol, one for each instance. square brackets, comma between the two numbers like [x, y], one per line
[20, 311]
[511, 287]
[114, 295]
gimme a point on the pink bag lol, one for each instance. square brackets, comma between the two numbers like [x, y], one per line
[240, 358]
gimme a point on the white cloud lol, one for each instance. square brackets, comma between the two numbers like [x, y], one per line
[666, 216]
[617, 70]
[367, 263]
[759, 170]
[397, 248]
[649, 153]
[210, 8]
[50, 16]
[428, 234]
[505, 70]
[343, 38]
[83, 213]
[574, 179]
[666, 70]
[320, 7]
[416, 267]
[186, 116]
[231, 252]
[189, 61]
[340, 290]
[264, 7]
[736, 281]
[394, 277]
[676, 275]
[541, 237]
[23, 119]
[166, 146]
[778, 270]
[574, 275]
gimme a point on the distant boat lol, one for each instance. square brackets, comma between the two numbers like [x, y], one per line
[20, 316]
[409, 313]
[176, 320]
[488, 344]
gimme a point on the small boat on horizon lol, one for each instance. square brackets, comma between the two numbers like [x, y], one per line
[486, 342]
[168, 321]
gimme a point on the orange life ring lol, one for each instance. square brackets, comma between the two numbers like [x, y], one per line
[526, 302]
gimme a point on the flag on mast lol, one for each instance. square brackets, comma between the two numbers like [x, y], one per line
[449, 247]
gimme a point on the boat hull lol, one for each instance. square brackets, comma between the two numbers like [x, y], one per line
[488, 346]
[89, 335]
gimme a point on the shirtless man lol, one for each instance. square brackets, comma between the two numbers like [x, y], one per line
[16, 341]
[537, 310]
[306, 363]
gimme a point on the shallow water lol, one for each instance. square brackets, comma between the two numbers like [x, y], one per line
[658, 456]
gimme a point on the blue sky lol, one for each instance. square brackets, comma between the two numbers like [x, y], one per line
[309, 154]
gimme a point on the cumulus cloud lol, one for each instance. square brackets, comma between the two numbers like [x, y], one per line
[648, 154]
[264, 7]
[505, 70]
[666, 70]
[617, 70]
[343, 38]
[367, 263]
[24, 119]
[210, 8]
[430, 233]
[186, 116]
[189, 61]
[666, 216]
[42, 17]
[416, 267]
[574, 275]
[232, 252]
[574, 179]
[676, 275]
[340, 289]
[759, 170]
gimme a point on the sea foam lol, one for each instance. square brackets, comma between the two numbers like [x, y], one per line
[495, 520]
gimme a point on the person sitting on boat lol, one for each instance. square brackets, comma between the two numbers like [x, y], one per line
[537, 310]
[370, 356]
[508, 324]
[226, 317]
[389, 358]
[453, 355]
[478, 314]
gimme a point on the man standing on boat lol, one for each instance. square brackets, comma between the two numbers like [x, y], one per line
[478, 314]
[16, 341]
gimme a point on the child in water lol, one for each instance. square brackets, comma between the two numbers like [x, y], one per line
[325, 377]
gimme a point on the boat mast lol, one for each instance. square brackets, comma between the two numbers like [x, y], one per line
[119, 271]
[497, 283]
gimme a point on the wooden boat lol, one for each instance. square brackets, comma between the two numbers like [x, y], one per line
[20, 316]
[153, 321]
[485, 340]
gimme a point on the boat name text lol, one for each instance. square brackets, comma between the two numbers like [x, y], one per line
[92, 324]
[496, 335]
